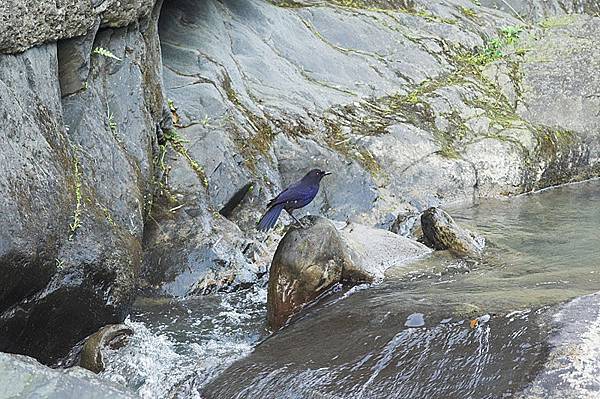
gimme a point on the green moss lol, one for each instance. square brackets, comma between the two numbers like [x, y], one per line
[108, 216]
[368, 161]
[431, 18]
[552, 142]
[177, 142]
[556, 159]
[287, 4]
[260, 142]
[413, 97]
[76, 223]
[448, 151]
[160, 182]
[229, 91]
[376, 5]
[339, 142]
[468, 12]
[385, 6]
[557, 22]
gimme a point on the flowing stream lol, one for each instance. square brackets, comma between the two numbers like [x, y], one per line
[438, 328]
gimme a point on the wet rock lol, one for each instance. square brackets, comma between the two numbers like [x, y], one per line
[572, 368]
[24, 377]
[441, 232]
[308, 262]
[378, 343]
[91, 352]
[311, 259]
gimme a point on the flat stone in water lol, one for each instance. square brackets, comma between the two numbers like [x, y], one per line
[415, 320]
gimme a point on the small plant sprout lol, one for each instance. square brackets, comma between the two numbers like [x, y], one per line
[111, 121]
[172, 106]
[510, 34]
[205, 121]
[105, 53]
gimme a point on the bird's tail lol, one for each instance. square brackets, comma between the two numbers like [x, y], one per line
[270, 218]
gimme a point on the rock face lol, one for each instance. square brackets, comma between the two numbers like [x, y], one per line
[23, 377]
[310, 260]
[78, 138]
[440, 232]
[412, 116]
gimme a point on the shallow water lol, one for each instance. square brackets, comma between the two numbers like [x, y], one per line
[410, 336]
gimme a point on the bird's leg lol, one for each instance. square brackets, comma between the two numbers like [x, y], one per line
[294, 217]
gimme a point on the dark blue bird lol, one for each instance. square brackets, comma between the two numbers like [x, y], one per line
[296, 196]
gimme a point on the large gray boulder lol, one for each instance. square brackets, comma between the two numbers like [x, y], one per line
[311, 259]
[77, 180]
[24, 377]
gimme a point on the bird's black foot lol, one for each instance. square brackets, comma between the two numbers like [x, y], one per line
[296, 221]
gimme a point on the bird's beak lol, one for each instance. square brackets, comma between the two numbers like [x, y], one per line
[326, 173]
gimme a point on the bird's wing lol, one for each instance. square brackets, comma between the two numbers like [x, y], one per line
[294, 192]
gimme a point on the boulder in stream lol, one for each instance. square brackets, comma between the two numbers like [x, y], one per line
[441, 232]
[24, 377]
[311, 259]
[112, 335]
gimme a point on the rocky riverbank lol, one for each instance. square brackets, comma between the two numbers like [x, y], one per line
[139, 142]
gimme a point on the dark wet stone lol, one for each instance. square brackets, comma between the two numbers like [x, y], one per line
[363, 349]
[441, 232]
[308, 262]
[91, 352]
